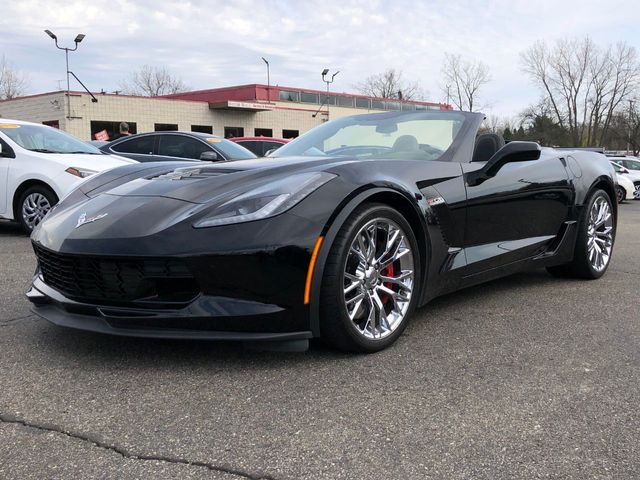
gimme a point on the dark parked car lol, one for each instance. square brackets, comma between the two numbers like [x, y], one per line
[166, 146]
[342, 235]
[260, 145]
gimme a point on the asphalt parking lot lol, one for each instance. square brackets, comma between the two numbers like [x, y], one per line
[525, 377]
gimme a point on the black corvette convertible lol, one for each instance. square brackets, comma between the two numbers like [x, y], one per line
[340, 235]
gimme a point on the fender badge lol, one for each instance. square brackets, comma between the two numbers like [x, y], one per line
[435, 201]
[82, 219]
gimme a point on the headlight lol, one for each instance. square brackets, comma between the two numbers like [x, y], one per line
[267, 200]
[80, 172]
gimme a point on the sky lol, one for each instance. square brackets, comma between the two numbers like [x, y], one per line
[215, 43]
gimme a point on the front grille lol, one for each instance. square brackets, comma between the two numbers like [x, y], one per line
[116, 280]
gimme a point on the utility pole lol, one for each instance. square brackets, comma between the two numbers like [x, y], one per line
[268, 80]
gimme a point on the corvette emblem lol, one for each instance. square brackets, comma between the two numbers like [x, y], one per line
[82, 219]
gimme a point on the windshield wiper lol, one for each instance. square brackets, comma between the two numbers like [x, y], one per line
[86, 153]
[42, 150]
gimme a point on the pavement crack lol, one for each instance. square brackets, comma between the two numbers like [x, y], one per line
[10, 419]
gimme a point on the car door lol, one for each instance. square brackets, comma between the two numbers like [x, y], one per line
[140, 148]
[178, 146]
[516, 213]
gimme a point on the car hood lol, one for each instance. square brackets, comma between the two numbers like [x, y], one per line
[98, 163]
[208, 182]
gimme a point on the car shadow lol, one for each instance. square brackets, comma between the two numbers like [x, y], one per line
[150, 354]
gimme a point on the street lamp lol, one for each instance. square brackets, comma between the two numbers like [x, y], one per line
[325, 72]
[77, 40]
[268, 80]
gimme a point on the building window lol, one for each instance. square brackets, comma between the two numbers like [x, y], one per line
[52, 123]
[263, 132]
[112, 128]
[233, 132]
[408, 106]
[289, 96]
[165, 127]
[306, 97]
[290, 133]
[363, 103]
[202, 128]
[344, 101]
[392, 105]
[377, 104]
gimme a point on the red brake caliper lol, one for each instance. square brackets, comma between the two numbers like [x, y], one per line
[387, 272]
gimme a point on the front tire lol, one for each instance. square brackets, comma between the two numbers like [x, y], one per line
[621, 194]
[594, 243]
[371, 281]
[34, 203]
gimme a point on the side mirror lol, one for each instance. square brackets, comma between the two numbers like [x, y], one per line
[210, 156]
[269, 152]
[624, 170]
[511, 152]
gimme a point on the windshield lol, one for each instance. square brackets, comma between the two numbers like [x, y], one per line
[40, 138]
[406, 136]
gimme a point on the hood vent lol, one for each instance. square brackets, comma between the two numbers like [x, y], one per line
[190, 173]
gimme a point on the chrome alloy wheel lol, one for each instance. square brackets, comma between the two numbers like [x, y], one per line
[600, 234]
[378, 278]
[636, 192]
[34, 208]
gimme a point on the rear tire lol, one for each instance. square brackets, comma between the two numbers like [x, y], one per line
[34, 203]
[621, 194]
[594, 242]
[368, 293]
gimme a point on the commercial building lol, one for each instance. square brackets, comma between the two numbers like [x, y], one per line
[245, 110]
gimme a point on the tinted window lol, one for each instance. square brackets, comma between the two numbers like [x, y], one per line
[263, 132]
[290, 133]
[344, 101]
[288, 96]
[255, 147]
[165, 127]
[271, 145]
[231, 150]
[309, 97]
[142, 145]
[363, 102]
[202, 128]
[181, 146]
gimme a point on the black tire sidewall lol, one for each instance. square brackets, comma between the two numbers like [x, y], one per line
[621, 193]
[42, 190]
[355, 222]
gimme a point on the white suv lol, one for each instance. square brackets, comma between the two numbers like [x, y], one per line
[39, 165]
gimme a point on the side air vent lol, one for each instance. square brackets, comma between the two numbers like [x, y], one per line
[189, 173]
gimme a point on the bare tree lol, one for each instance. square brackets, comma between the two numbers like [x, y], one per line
[390, 84]
[152, 82]
[463, 80]
[584, 84]
[12, 82]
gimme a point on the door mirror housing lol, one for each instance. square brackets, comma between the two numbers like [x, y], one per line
[210, 156]
[511, 152]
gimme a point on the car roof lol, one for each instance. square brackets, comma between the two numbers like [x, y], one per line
[260, 139]
[20, 122]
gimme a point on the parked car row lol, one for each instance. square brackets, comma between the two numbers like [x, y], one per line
[39, 165]
[628, 175]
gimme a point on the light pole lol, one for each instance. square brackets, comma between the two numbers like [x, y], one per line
[77, 40]
[268, 80]
[325, 72]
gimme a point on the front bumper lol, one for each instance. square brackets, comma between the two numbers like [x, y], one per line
[205, 318]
